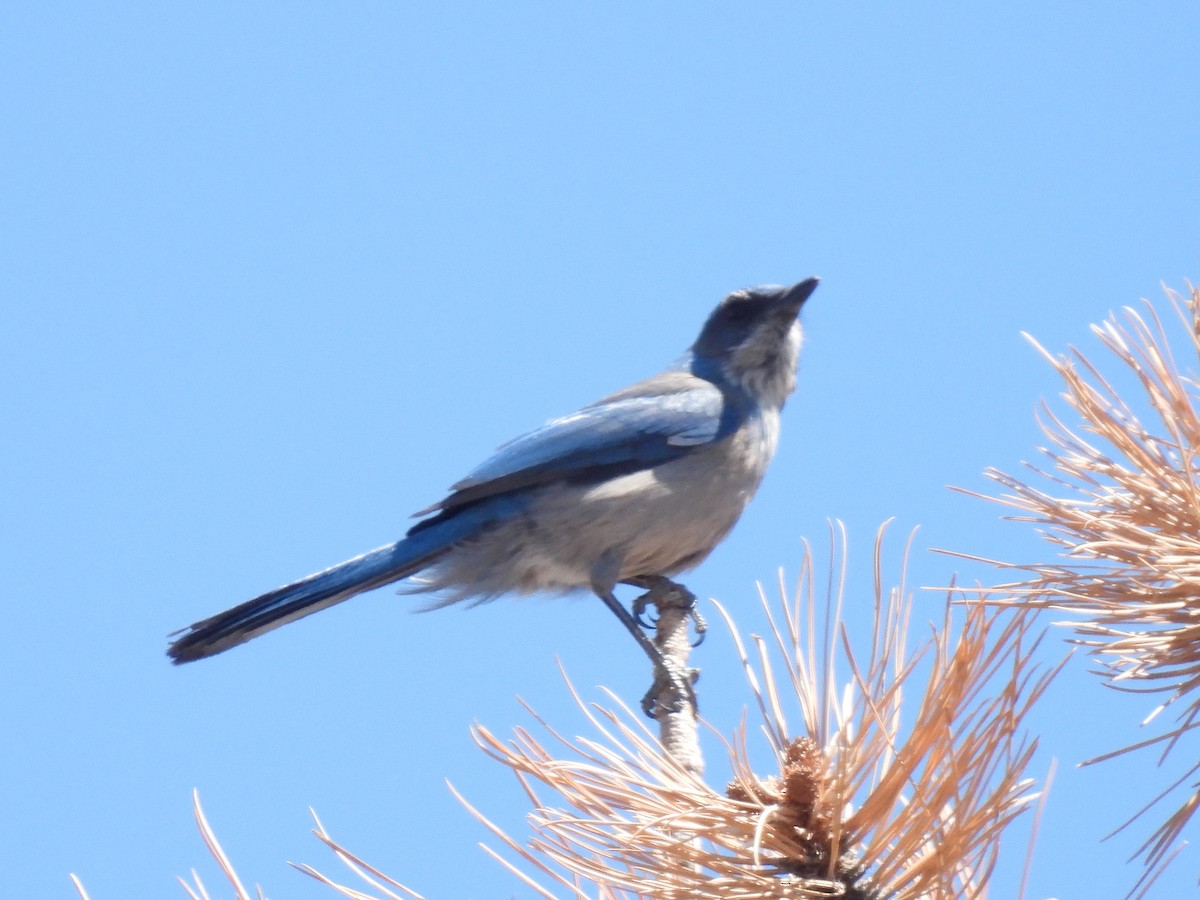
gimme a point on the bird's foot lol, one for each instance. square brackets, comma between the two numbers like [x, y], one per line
[699, 624]
[663, 592]
[672, 690]
[639, 607]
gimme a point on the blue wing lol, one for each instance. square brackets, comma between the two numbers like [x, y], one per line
[651, 422]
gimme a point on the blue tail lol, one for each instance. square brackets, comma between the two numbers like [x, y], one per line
[425, 543]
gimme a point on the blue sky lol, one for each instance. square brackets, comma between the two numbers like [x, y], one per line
[274, 275]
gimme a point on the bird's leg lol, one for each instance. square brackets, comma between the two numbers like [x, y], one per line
[658, 587]
[665, 675]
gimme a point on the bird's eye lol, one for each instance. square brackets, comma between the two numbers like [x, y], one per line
[740, 315]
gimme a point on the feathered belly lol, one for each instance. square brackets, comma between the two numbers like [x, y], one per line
[658, 521]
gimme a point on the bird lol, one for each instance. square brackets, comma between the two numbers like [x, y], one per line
[632, 489]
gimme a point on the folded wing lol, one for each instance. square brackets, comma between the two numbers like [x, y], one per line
[652, 422]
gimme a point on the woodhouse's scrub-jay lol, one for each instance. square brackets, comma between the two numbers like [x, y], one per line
[632, 489]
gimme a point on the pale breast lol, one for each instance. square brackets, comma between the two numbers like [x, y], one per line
[660, 521]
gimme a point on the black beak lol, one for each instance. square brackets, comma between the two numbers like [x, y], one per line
[792, 298]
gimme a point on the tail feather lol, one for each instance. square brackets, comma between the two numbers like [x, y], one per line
[290, 602]
[425, 543]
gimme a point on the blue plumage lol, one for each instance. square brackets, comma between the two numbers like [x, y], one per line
[652, 422]
[633, 488]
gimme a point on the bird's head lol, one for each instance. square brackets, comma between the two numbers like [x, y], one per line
[752, 339]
